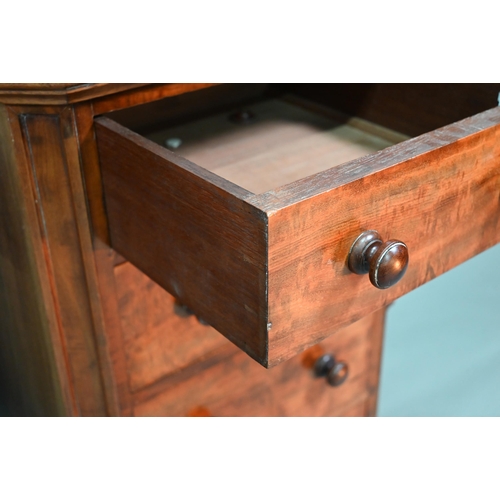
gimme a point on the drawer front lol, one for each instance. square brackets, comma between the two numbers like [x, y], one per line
[269, 271]
[438, 193]
[234, 385]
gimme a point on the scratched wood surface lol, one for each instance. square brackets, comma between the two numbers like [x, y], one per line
[61, 204]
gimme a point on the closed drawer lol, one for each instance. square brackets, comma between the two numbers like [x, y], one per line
[231, 384]
[251, 223]
[173, 365]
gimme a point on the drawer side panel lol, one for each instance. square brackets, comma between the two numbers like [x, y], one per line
[188, 230]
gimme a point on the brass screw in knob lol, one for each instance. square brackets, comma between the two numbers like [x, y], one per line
[336, 372]
[386, 263]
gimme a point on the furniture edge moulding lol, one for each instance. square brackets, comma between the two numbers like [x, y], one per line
[105, 97]
[48, 94]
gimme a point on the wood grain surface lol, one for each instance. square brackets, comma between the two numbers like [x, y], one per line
[146, 94]
[438, 193]
[46, 154]
[106, 316]
[54, 159]
[190, 231]
[234, 385]
[33, 373]
[375, 350]
[58, 93]
[159, 338]
[82, 337]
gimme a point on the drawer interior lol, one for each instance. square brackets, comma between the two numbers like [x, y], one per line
[294, 131]
[282, 141]
[264, 141]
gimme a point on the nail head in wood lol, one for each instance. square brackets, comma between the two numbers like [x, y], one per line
[242, 117]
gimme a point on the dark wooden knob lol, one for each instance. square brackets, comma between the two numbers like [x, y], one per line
[336, 372]
[386, 262]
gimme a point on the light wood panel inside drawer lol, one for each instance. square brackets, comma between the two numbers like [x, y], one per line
[285, 142]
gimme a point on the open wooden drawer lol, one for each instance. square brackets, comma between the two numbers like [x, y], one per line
[251, 220]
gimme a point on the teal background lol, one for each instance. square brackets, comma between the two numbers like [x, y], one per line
[441, 354]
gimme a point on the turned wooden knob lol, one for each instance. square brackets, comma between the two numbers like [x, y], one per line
[336, 372]
[386, 262]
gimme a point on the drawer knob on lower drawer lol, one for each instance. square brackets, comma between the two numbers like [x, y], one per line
[336, 372]
[386, 263]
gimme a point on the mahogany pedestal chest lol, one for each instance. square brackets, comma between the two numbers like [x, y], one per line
[228, 250]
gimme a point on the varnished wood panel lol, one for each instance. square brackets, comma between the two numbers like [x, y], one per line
[145, 94]
[159, 338]
[374, 361]
[190, 231]
[56, 182]
[58, 93]
[32, 369]
[439, 193]
[108, 326]
[237, 386]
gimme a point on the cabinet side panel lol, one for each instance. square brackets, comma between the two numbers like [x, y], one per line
[50, 143]
[31, 373]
